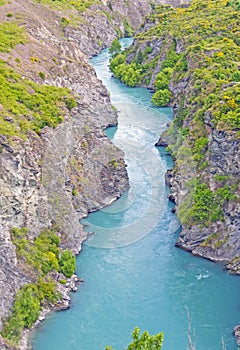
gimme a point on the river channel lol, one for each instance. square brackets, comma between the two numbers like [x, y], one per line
[133, 274]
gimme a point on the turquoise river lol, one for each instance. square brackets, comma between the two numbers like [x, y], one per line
[133, 274]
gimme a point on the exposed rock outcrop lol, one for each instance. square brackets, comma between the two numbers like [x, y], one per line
[237, 334]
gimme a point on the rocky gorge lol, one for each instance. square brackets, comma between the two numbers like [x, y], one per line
[54, 177]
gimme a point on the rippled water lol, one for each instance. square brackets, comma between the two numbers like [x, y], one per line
[133, 273]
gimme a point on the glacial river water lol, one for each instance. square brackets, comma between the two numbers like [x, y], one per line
[133, 274]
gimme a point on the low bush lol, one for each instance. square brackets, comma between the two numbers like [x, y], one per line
[67, 263]
[204, 206]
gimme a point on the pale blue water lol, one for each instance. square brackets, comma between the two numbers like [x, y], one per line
[134, 276]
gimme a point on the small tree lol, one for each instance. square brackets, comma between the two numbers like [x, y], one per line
[115, 48]
[144, 341]
[67, 263]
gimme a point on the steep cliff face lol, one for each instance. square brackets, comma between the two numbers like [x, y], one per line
[220, 240]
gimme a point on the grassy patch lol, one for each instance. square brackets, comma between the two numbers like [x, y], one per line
[26, 105]
[11, 35]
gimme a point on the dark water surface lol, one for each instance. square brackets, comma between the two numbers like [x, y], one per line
[134, 276]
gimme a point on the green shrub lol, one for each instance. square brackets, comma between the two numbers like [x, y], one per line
[171, 59]
[161, 81]
[148, 50]
[26, 300]
[64, 22]
[115, 47]
[74, 192]
[67, 263]
[42, 254]
[130, 74]
[161, 97]
[204, 206]
[221, 178]
[25, 311]
[116, 61]
[47, 291]
[70, 103]
[27, 306]
[200, 147]
[42, 75]
[128, 29]
[235, 76]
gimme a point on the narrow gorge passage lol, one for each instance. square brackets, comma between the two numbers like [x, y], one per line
[133, 274]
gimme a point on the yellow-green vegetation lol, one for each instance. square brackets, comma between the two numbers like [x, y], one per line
[214, 241]
[27, 306]
[204, 206]
[43, 255]
[129, 73]
[128, 29]
[39, 258]
[114, 163]
[80, 6]
[26, 105]
[11, 35]
[115, 48]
